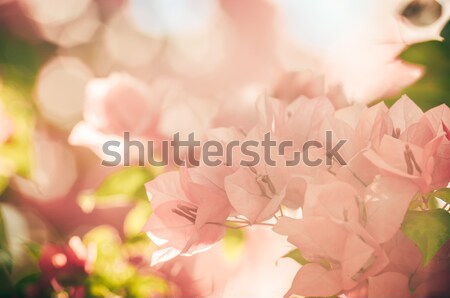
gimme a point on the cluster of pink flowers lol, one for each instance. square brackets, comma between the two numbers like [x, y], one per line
[344, 219]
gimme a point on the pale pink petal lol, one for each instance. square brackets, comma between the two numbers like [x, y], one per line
[314, 280]
[439, 117]
[167, 225]
[404, 113]
[247, 198]
[336, 201]
[316, 237]
[387, 200]
[389, 285]
[404, 256]
[357, 256]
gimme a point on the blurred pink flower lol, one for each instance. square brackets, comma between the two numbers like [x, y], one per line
[114, 105]
[53, 169]
[213, 274]
[292, 85]
[148, 112]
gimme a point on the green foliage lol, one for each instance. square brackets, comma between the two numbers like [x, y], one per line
[122, 187]
[136, 218]
[114, 275]
[297, 256]
[4, 181]
[234, 244]
[19, 65]
[5, 259]
[443, 194]
[429, 229]
[433, 88]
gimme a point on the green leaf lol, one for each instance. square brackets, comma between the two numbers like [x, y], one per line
[32, 279]
[297, 256]
[430, 53]
[34, 249]
[136, 218]
[6, 263]
[445, 33]
[234, 244]
[443, 194]
[148, 286]
[433, 88]
[4, 181]
[122, 187]
[20, 62]
[5, 255]
[111, 267]
[428, 229]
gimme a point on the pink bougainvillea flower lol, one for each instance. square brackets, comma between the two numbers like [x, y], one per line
[340, 255]
[300, 121]
[342, 230]
[361, 128]
[439, 118]
[256, 193]
[379, 208]
[68, 264]
[386, 202]
[413, 148]
[189, 212]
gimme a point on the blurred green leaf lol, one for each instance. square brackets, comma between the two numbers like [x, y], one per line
[234, 244]
[114, 274]
[34, 249]
[136, 218]
[148, 286]
[445, 33]
[19, 65]
[122, 187]
[297, 256]
[20, 61]
[111, 267]
[419, 53]
[433, 88]
[23, 284]
[4, 181]
[16, 152]
[428, 229]
[443, 194]
[6, 263]
[5, 255]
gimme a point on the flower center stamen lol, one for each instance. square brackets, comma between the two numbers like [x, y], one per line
[263, 181]
[411, 162]
[396, 133]
[188, 212]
